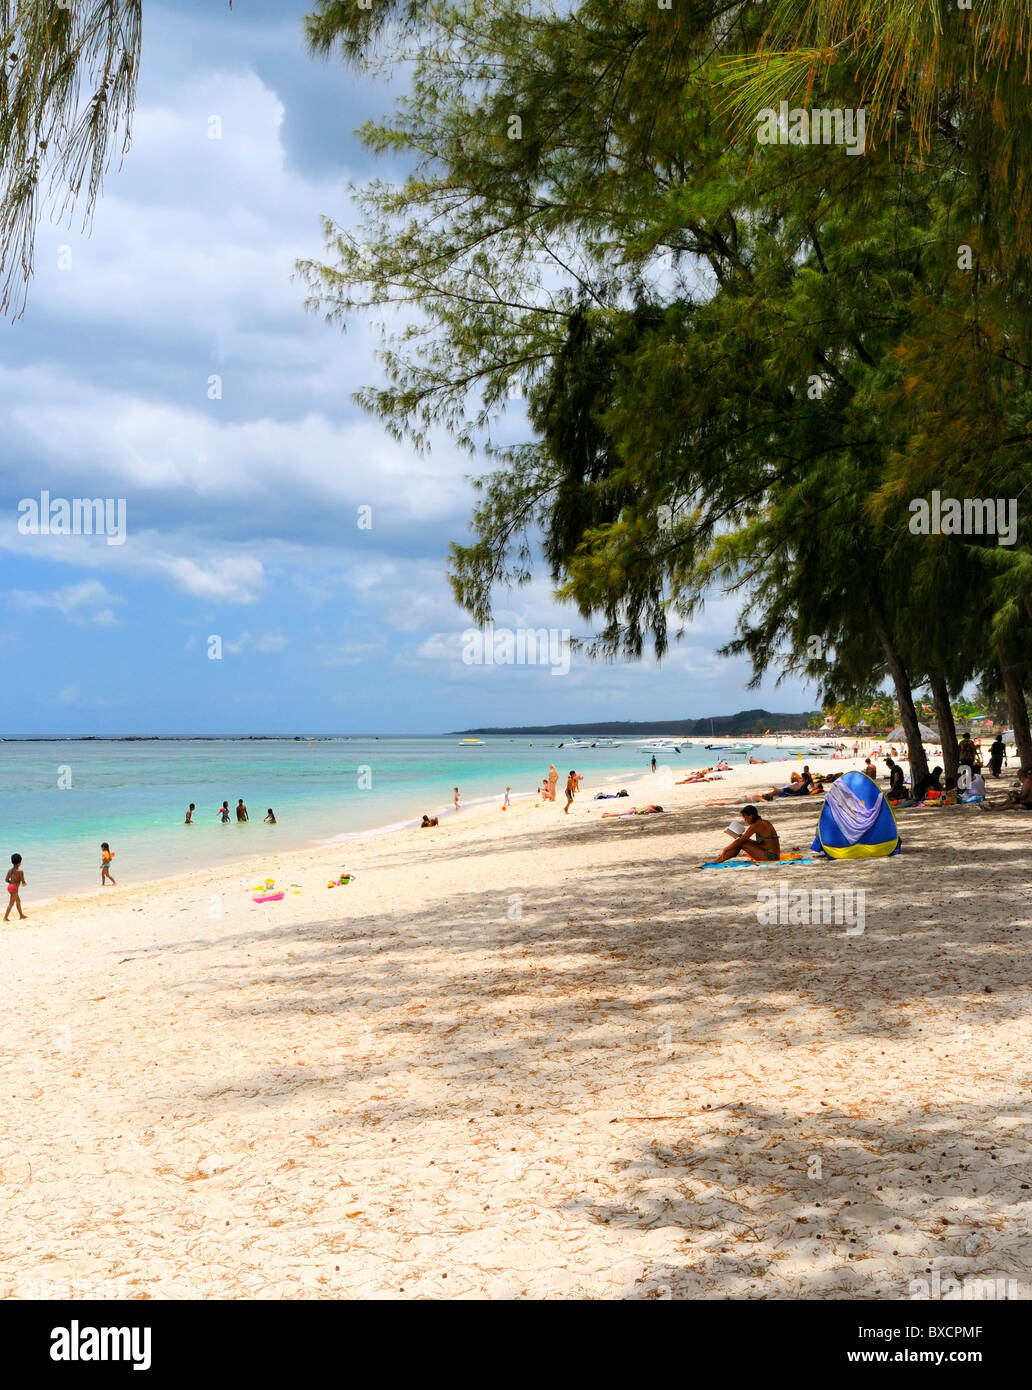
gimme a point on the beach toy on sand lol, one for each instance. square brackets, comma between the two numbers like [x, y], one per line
[269, 897]
[270, 883]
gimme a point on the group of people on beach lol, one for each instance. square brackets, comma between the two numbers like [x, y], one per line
[15, 877]
[968, 787]
[759, 840]
[550, 784]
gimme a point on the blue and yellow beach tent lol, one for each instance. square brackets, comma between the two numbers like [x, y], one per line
[856, 821]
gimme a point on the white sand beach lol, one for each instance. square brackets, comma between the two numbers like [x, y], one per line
[527, 1055]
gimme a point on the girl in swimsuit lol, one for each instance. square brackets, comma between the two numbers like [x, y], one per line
[14, 879]
[767, 846]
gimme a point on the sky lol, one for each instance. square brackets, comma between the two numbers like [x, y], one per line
[283, 562]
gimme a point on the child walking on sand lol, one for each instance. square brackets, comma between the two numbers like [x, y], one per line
[106, 856]
[14, 878]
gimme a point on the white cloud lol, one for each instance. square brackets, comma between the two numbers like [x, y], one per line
[267, 643]
[86, 602]
[233, 579]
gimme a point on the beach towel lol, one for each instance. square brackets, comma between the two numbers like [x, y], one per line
[789, 859]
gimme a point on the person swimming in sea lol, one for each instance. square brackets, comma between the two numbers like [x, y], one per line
[189, 814]
[270, 819]
[223, 812]
[241, 812]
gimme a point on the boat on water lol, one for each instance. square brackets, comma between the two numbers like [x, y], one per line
[470, 740]
[730, 750]
[661, 745]
[607, 743]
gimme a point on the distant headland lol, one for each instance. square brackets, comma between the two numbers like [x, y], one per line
[748, 721]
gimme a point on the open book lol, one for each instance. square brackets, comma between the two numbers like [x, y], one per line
[736, 828]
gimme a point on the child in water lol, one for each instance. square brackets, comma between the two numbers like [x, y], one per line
[14, 878]
[106, 856]
[270, 819]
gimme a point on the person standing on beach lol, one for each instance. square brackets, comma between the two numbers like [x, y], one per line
[997, 753]
[571, 788]
[223, 811]
[966, 753]
[653, 762]
[553, 780]
[15, 880]
[456, 798]
[241, 810]
[505, 803]
[189, 814]
[106, 856]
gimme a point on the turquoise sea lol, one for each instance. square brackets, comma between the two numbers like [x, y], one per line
[62, 798]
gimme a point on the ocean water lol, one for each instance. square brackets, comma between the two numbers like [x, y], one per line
[62, 798]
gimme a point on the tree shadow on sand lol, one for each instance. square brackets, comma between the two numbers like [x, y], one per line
[583, 998]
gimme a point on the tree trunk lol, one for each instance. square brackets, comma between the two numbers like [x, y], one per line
[1018, 713]
[905, 700]
[947, 727]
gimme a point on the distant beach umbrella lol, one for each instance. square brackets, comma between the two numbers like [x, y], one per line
[928, 734]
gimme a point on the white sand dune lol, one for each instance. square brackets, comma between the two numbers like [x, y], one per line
[527, 1055]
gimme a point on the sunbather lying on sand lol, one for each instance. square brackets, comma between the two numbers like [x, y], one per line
[753, 795]
[634, 811]
[767, 845]
[797, 786]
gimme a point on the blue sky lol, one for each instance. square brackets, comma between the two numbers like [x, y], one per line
[242, 512]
